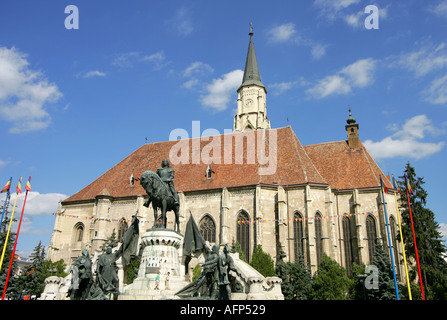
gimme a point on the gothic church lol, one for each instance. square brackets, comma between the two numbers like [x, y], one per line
[320, 198]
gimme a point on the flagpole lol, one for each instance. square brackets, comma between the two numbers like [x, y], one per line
[28, 188]
[389, 240]
[402, 241]
[6, 200]
[414, 239]
[10, 222]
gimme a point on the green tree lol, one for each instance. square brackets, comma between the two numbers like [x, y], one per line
[32, 279]
[385, 277]
[110, 241]
[357, 290]
[263, 262]
[430, 247]
[132, 270]
[11, 288]
[330, 282]
[236, 248]
[296, 279]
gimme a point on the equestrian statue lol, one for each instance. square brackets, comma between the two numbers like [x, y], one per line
[160, 188]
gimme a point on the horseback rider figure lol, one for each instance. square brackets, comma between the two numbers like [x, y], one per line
[166, 174]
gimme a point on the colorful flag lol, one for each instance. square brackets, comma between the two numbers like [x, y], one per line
[385, 188]
[19, 186]
[28, 185]
[396, 187]
[409, 187]
[6, 187]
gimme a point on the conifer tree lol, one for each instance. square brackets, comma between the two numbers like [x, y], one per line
[296, 279]
[236, 248]
[263, 262]
[110, 241]
[11, 289]
[331, 281]
[385, 277]
[431, 249]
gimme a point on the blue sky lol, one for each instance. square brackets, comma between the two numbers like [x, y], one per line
[74, 102]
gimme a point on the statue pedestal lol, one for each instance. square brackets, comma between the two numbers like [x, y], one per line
[162, 253]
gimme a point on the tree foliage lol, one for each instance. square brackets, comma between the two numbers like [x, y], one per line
[263, 262]
[330, 282]
[385, 279]
[429, 243]
[11, 288]
[296, 280]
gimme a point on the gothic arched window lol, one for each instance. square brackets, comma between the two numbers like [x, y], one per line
[122, 229]
[243, 233]
[318, 237]
[298, 235]
[208, 229]
[78, 232]
[347, 242]
[371, 235]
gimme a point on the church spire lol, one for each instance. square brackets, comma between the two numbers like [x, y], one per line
[251, 72]
[251, 101]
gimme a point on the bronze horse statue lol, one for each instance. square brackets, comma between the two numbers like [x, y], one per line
[161, 197]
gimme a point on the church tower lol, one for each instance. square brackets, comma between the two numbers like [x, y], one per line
[251, 100]
[353, 131]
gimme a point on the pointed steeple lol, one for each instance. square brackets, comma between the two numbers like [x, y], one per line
[251, 72]
[252, 96]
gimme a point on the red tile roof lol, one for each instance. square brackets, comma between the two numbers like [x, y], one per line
[344, 167]
[327, 163]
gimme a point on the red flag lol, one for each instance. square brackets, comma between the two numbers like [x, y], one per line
[19, 186]
[28, 185]
[6, 187]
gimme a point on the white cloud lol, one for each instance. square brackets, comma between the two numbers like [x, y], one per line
[355, 19]
[129, 59]
[3, 163]
[406, 141]
[328, 86]
[126, 60]
[357, 75]
[181, 22]
[193, 71]
[318, 50]
[220, 90]
[37, 203]
[286, 33]
[440, 9]
[437, 92]
[91, 74]
[360, 73]
[280, 88]
[332, 10]
[157, 59]
[197, 67]
[190, 83]
[282, 33]
[24, 93]
[334, 5]
[443, 230]
[427, 59]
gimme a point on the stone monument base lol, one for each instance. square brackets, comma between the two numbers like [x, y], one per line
[162, 254]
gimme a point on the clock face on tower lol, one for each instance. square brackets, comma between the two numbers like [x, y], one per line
[248, 102]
